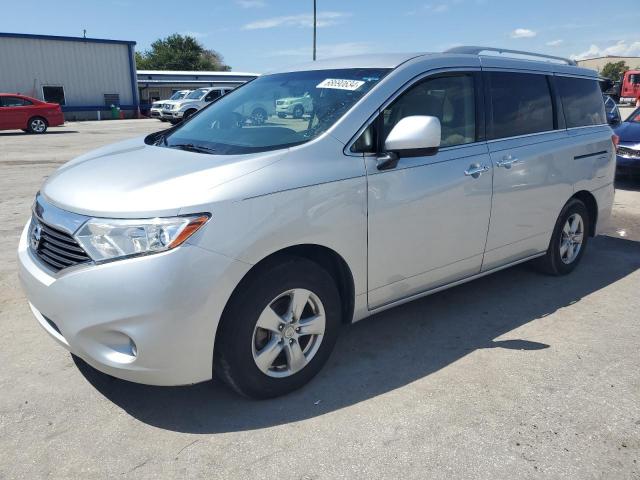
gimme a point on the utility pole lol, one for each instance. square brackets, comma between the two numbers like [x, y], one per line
[314, 30]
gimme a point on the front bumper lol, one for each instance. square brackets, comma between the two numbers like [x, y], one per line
[285, 109]
[155, 113]
[171, 115]
[148, 319]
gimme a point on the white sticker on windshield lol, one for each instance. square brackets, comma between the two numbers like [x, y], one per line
[340, 84]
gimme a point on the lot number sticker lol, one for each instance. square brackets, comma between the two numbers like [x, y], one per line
[340, 84]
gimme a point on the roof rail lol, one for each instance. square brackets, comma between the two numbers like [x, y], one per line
[473, 50]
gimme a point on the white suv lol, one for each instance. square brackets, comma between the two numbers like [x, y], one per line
[156, 107]
[182, 109]
[294, 106]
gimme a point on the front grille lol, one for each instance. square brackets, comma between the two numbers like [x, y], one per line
[628, 152]
[55, 248]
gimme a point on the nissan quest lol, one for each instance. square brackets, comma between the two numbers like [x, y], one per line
[237, 249]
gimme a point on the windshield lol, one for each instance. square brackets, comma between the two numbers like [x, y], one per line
[177, 96]
[275, 111]
[196, 94]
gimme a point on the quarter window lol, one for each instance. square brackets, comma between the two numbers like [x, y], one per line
[520, 104]
[581, 101]
[450, 98]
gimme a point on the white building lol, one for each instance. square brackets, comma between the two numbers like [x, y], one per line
[84, 75]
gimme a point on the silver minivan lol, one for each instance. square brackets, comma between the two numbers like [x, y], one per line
[233, 248]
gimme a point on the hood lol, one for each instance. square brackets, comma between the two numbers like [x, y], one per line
[184, 101]
[134, 180]
[628, 132]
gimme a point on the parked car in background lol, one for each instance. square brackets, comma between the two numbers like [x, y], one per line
[156, 107]
[612, 110]
[630, 91]
[28, 114]
[222, 245]
[294, 106]
[628, 150]
[178, 110]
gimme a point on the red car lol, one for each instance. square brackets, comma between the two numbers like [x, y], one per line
[28, 114]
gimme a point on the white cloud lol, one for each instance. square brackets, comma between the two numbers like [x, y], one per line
[328, 51]
[555, 43]
[251, 3]
[523, 33]
[440, 7]
[194, 34]
[324, 19]
[621, 48]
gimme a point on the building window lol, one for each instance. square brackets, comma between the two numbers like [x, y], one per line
[53, 94]
[112, 99]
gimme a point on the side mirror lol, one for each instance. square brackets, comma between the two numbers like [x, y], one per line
[414, 136]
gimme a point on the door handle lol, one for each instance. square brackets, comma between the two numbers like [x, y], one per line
[475, 170]
[507, 161]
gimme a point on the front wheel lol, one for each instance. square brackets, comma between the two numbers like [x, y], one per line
[569, 240]
[279, 329]
[298, 111]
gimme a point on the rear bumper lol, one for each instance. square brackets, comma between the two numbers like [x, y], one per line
[55, 120]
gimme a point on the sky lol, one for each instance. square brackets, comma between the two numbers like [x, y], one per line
[261, 35]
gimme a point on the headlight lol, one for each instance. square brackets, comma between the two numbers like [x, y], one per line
[175, 107]
[107, 239]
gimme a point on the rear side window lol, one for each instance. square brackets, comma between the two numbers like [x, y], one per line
[521, 104]
[581, 101]
[212, 95]
[14, 102]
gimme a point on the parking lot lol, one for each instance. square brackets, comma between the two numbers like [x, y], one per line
[515, 375]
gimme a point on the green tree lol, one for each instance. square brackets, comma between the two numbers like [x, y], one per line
[180, 52]
[614, 70]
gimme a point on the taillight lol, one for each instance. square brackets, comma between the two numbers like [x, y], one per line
[615, 139]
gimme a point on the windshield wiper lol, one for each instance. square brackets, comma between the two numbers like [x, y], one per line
[190, 147]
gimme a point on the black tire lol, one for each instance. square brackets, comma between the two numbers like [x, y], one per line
[188, 114]
[174, 122]
[37, 125]
[298, 111]
[259, 116]
[552, 263]
[234, 351]
[282, 115]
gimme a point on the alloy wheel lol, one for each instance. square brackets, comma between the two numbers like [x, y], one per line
[38, 125]
[571, 238]
[288, 333]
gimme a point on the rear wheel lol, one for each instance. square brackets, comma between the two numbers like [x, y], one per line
[569, 240]
[279, 332]
[37, 125]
